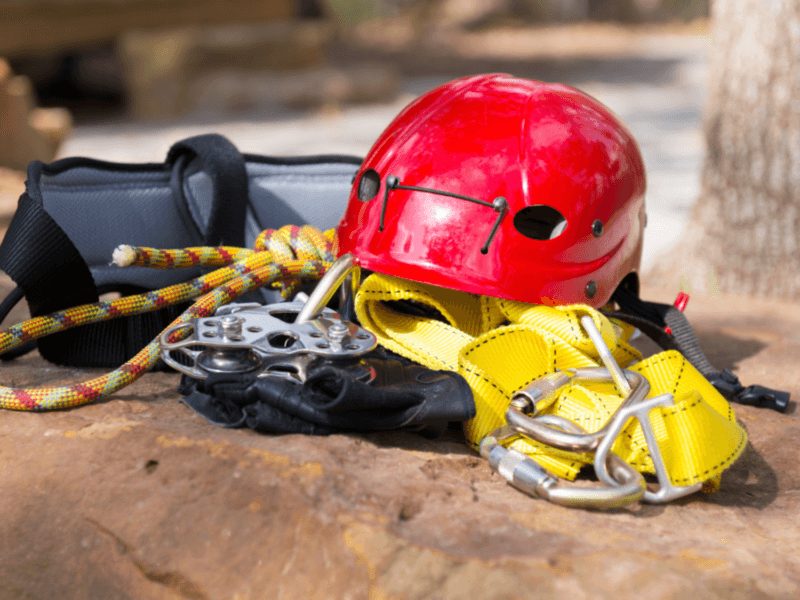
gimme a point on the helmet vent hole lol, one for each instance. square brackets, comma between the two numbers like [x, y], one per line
[368, 185]
[540, 222]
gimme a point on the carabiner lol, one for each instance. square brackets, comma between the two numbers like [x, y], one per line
[345, 272]
[537, 428]
[634, 388]
[526, 475]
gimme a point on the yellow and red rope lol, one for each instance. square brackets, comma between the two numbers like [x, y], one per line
[283, 257]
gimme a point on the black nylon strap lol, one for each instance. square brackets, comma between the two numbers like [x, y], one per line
[6, 307]
[52, 275]
[653, 317]
[665, 315]
[46, 265]
[225, 165]
[39, 257]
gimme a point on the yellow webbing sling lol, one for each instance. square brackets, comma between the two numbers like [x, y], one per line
[500, 346]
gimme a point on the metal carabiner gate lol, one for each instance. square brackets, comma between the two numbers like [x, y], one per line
[559, 432]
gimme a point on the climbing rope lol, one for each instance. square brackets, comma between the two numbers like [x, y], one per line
[283, 257]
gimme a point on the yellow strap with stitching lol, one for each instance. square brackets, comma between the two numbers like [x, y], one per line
[501, 346]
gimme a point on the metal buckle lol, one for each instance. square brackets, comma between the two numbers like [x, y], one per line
[666, 491]
[526, 475]
[279, 339]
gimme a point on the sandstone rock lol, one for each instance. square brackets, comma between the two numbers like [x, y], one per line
[137, 497]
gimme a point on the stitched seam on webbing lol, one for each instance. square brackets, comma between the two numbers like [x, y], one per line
[696, 476]
[570, 318]
[661, 359]
[480, 375]
[678, 380]
[394, 292]
[627, 351]
[495, 336]
[675, 411]
[717, 466]
[505, 310]
[530, 381]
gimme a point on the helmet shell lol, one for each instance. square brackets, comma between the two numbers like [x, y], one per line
[542, 147]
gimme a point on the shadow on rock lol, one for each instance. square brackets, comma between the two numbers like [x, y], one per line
[750, 482]
[725, 351]
[452, 441]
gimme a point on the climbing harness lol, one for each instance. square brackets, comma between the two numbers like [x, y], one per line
[76, 211]
[544, 358]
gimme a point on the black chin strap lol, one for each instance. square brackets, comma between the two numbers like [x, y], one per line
[655, 319]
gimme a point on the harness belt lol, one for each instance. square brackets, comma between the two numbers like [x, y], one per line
[502, 347]
[75, 211]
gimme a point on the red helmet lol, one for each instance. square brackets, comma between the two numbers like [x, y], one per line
[502, 187]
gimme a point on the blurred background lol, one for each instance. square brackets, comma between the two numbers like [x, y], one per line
[122, 80]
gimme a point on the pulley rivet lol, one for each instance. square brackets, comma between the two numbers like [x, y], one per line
[230, 325]
[337, 332]
[591, 289]
[597, 228]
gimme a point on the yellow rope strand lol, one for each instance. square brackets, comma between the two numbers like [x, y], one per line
[305, 253]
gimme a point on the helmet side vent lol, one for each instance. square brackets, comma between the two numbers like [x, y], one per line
[368, 185]
[540, 222]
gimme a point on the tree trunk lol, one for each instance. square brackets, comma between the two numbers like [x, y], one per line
[744, 233]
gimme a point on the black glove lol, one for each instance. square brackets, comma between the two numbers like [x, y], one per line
[403, 395]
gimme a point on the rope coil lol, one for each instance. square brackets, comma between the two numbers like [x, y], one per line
[283, 257]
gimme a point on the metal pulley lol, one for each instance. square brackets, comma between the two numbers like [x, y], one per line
[280, 339]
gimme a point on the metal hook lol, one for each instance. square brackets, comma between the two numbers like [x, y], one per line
[605, 354]
[666, 491]
[537, 427]
[528, 476]
[336, 275]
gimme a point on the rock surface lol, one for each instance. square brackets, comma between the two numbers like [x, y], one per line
[137, 497]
